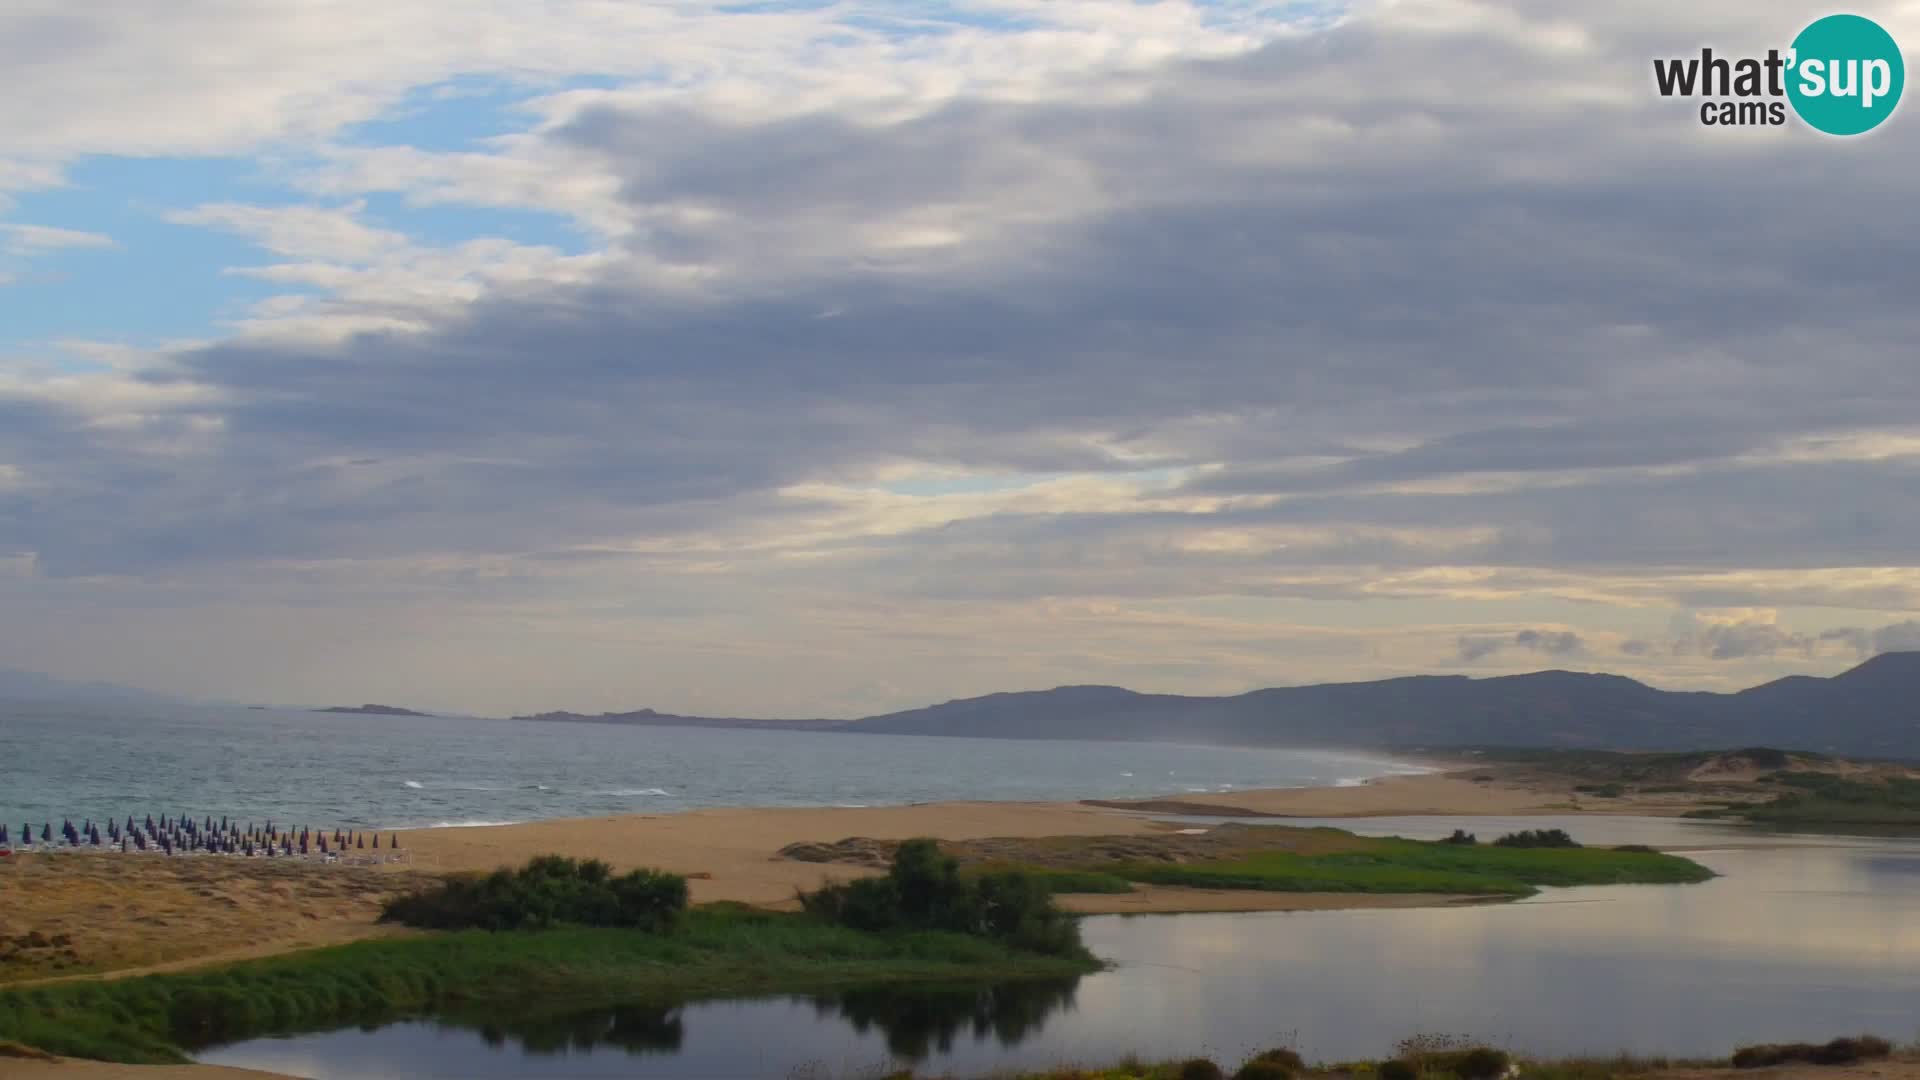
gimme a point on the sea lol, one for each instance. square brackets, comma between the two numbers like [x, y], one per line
[349, 770]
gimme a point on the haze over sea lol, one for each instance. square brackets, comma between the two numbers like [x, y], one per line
[350, 770]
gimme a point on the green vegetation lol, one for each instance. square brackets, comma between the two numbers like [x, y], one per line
[924, 890]
[1837, 1052]
[1669, 770]
[1412, 866]
[711, 951]
[1537, 838]
[549, 891]
[1449, 1058]
[1825, 799]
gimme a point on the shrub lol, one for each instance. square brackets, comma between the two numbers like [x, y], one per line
[1537, 838]
[1477, 1063]
[1263, 1070]
[1397, 1070]
[550, 890]
[924, 890]
[1637, 849]
[1461, 836]
[1200, 1069]
[1835, 1052]
[1280, 1055]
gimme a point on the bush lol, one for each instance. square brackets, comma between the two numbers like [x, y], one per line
[1477, 1063]
[1637, 849]
[1263, 1070]
[1200, 1069]
[1537, 838]
[924, 890]
[1835, 1052]
[1461, 836]
[1397, 1070]
[1282, 1056]
[549, 891]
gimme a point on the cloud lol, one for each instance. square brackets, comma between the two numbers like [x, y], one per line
[1168, 319]
[1545, 642]
[1893, 637]
[25, 240]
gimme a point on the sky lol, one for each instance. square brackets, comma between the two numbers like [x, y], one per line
[827, 358]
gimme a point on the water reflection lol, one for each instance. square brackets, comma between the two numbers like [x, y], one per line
[918, 1023]
[635, 1029]
[1796, 940]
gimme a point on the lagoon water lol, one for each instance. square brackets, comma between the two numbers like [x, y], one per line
[347, 770]
[1800, 938]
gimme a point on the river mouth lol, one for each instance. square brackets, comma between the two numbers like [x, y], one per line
[1800, 937]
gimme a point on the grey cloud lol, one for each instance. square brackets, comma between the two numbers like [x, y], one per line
[1546, 642]
[1893, 637]
[1310, 256]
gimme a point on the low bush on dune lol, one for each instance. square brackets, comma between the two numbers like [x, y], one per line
[551, 890]
[1200, 1069]
[1837, 1052]
[1397, 1070]
[924, 890]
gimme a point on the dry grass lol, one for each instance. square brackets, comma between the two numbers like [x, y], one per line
[80, 913]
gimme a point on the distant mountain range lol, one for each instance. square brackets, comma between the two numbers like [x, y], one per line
[1870, 710]
[17, 685]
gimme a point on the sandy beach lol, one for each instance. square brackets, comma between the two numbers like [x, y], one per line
[87, 915]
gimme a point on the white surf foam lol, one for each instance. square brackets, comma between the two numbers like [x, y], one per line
[415, 784]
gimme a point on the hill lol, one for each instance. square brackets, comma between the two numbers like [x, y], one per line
[1871, 710]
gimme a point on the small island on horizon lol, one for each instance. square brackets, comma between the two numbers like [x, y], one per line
[373, 710]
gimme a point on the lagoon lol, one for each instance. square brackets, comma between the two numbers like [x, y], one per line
[1800, 938]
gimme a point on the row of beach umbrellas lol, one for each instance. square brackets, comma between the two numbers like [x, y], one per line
[182, 835]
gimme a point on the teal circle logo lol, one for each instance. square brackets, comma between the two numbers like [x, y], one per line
[1846, 75]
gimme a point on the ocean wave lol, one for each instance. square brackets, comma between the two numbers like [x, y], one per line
[475, 824]
[1351, 781]
[415, 784]
[630, 792]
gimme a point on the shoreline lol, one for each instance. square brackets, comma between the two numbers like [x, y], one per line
[734, 854]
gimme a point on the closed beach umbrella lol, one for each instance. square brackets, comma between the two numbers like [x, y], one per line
[46, 832]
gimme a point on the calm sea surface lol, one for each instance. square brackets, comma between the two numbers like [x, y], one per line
[1802, 938]
[330, 769]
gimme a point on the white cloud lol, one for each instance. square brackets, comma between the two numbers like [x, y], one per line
[25, 240]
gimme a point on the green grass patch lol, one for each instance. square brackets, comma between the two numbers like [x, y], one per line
[1413, 866]
[710, 952]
